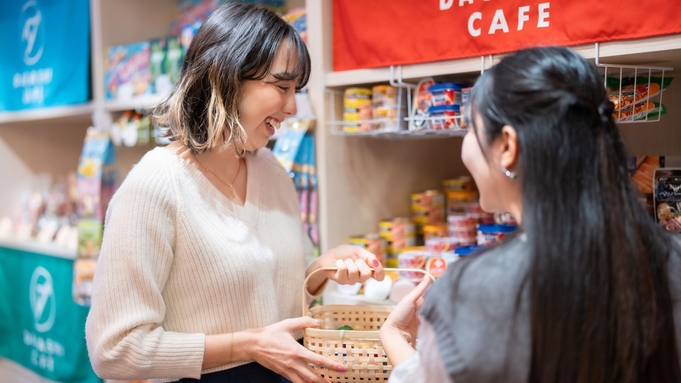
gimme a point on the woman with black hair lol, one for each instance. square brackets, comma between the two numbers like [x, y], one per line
[204, 253]
[589, 289]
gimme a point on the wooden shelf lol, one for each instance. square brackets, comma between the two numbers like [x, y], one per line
[40, 248]
[58, 112]
[137, 103]
[633, 52]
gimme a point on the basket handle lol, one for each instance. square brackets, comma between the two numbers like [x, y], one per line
[332, 268]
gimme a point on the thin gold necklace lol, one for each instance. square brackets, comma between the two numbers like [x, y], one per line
[229, 185]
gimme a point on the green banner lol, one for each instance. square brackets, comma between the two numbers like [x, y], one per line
[41, 328]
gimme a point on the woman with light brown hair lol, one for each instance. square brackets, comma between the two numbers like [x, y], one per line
[204, 252]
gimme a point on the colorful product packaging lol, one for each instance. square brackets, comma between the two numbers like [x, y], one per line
[667, 198]
[127, 72]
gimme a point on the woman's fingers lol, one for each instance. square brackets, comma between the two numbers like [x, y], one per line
[353, 270]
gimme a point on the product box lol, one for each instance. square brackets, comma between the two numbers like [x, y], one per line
[96, 176]
[667, 198]
[127, 72]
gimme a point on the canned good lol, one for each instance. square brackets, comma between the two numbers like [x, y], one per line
[460, 222]
[457, 200]
[357, 107]
[353, 98]
[435, 231]
[396, 228]
[490, 234]
[444, 117]
[373, 243]
[460, 183]
[436, 266]
[384, 95]
[447, 93]
[414, 259]
[441, 245]
[427, 199]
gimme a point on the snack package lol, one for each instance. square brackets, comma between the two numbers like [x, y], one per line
[641, 171]
[127, 73]
[635, 90]
[667, 198]
[422, 102]
[647, 110]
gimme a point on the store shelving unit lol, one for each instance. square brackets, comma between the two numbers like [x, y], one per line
[363, 180]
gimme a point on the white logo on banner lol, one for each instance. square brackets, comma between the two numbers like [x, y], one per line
[43, 302]
[31, 34]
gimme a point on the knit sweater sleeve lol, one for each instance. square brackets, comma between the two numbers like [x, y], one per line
[125, 336]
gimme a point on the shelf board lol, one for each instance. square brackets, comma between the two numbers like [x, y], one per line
[71, 111]
[423, 134]
[34, 246]
[136, 103]
[411, 73]
[634, 52]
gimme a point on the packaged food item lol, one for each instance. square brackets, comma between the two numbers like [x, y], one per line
[442, 245]
[383, 96]
[465, 251]
[127, 72]
[460, 183]
[422, 102]
[427, 199]
[647, 110]
[447, 93]
[494, 233]
[465, 96]
[667, 198]
[436, 266]
[642, 169]
[445, 117]
[399, 233]
[434, 231]
[504, 218]
[373, 243]
[357, 107]
[413, 259]
[635, 90]
[458, 200]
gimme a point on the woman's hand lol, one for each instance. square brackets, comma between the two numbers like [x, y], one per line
[276, 350]
[354, 265]
[401, 326]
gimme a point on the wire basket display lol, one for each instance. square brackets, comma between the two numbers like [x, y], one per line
[360, 349]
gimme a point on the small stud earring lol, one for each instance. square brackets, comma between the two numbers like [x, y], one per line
[508, 173]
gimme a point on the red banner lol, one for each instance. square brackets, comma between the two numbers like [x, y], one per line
[376, 33]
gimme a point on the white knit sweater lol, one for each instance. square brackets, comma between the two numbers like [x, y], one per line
[179, 261]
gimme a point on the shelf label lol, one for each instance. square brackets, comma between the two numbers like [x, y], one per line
[381, 33]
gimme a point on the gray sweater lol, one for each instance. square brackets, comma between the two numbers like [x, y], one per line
[481, 335]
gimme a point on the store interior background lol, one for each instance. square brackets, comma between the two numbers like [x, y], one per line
[362, 180]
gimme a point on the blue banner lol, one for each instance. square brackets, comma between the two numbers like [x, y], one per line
[41, 327]
[45, 56]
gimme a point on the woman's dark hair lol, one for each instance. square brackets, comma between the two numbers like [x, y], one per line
[237, 42]
[600, 301]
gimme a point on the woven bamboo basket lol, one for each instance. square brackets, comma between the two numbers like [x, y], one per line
[360, 349]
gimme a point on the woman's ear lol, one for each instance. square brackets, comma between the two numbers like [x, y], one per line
[509, 148]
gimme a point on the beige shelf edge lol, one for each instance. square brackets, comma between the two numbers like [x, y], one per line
[34, 246]
[472, 65]
[136, 103]
[82, 110]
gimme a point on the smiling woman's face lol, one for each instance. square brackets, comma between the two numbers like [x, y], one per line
[266, 103]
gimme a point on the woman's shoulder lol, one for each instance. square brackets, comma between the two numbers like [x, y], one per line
[483, 275]
[154, 170]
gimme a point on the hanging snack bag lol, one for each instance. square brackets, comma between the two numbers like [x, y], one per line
[635, 90]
